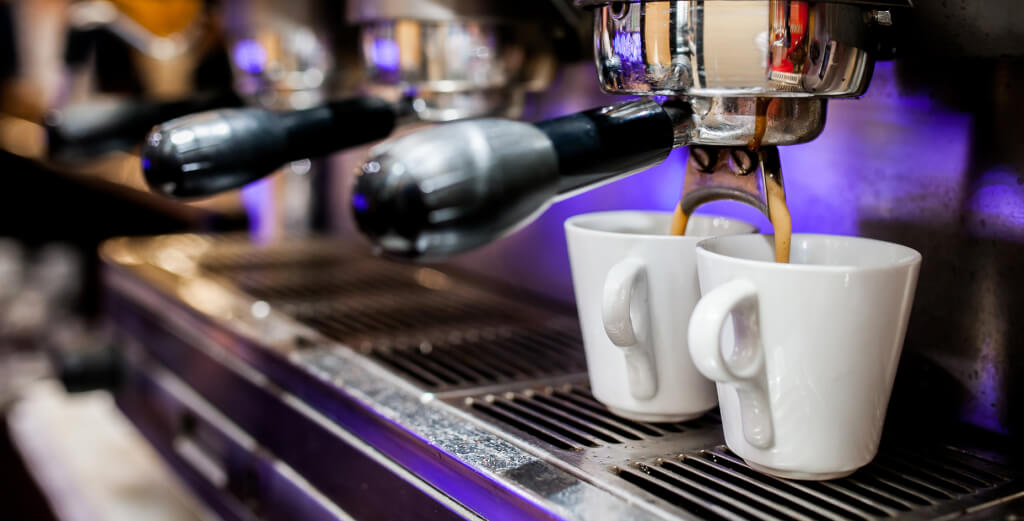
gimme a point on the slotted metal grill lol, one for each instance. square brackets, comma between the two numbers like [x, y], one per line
[231, 254]
[569, 418]
[368, 320]
[427, 326]
[338, 277]
[688, 470]
[717, 484]
[352, 299]
[482, 357]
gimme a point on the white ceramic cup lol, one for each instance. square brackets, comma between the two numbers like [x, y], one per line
[804, 353]
[636, 286]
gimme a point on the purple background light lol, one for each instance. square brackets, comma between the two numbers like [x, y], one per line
[996, 205]
[261, 209]
[359, 202]
[627, 47]
[249, 56]
[385, 54]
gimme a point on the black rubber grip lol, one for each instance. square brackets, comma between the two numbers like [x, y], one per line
[212, 152]
[337, 125]
[597, 143]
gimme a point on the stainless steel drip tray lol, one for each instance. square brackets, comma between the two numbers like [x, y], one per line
[482, 398]
[685, 468]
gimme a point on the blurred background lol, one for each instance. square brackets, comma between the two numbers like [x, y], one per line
[72, 76]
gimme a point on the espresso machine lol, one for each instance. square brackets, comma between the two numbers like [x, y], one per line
[308, 378]
[297, 66]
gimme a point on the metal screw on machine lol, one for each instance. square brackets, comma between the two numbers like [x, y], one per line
[742, 161]
[881, 17]
[703, 159]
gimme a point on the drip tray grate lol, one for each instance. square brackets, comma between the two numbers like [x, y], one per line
[360, 318]
[717, 484]
[426, 325]
[569, 418]
[443, 360]
[320, 282]
[233, 255]
[269, 261]
[684, 468]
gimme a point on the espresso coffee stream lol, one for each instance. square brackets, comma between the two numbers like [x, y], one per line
[679, 220]
[778, 214]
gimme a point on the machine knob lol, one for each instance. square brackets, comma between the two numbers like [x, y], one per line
[454, 187]
[212, 152]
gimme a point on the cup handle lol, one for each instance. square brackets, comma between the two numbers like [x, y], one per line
[627, 322]
[744, 368]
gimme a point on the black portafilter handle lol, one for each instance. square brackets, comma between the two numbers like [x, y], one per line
[86, 130]
[454, 187]
[212, 152]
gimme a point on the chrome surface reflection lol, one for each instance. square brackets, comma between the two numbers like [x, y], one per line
[447, 69]
[736, 48]
[280, 51]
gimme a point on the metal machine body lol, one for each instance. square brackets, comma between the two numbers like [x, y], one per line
[451, 60]
[307, 381]
[283, 55]
[719, 49]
